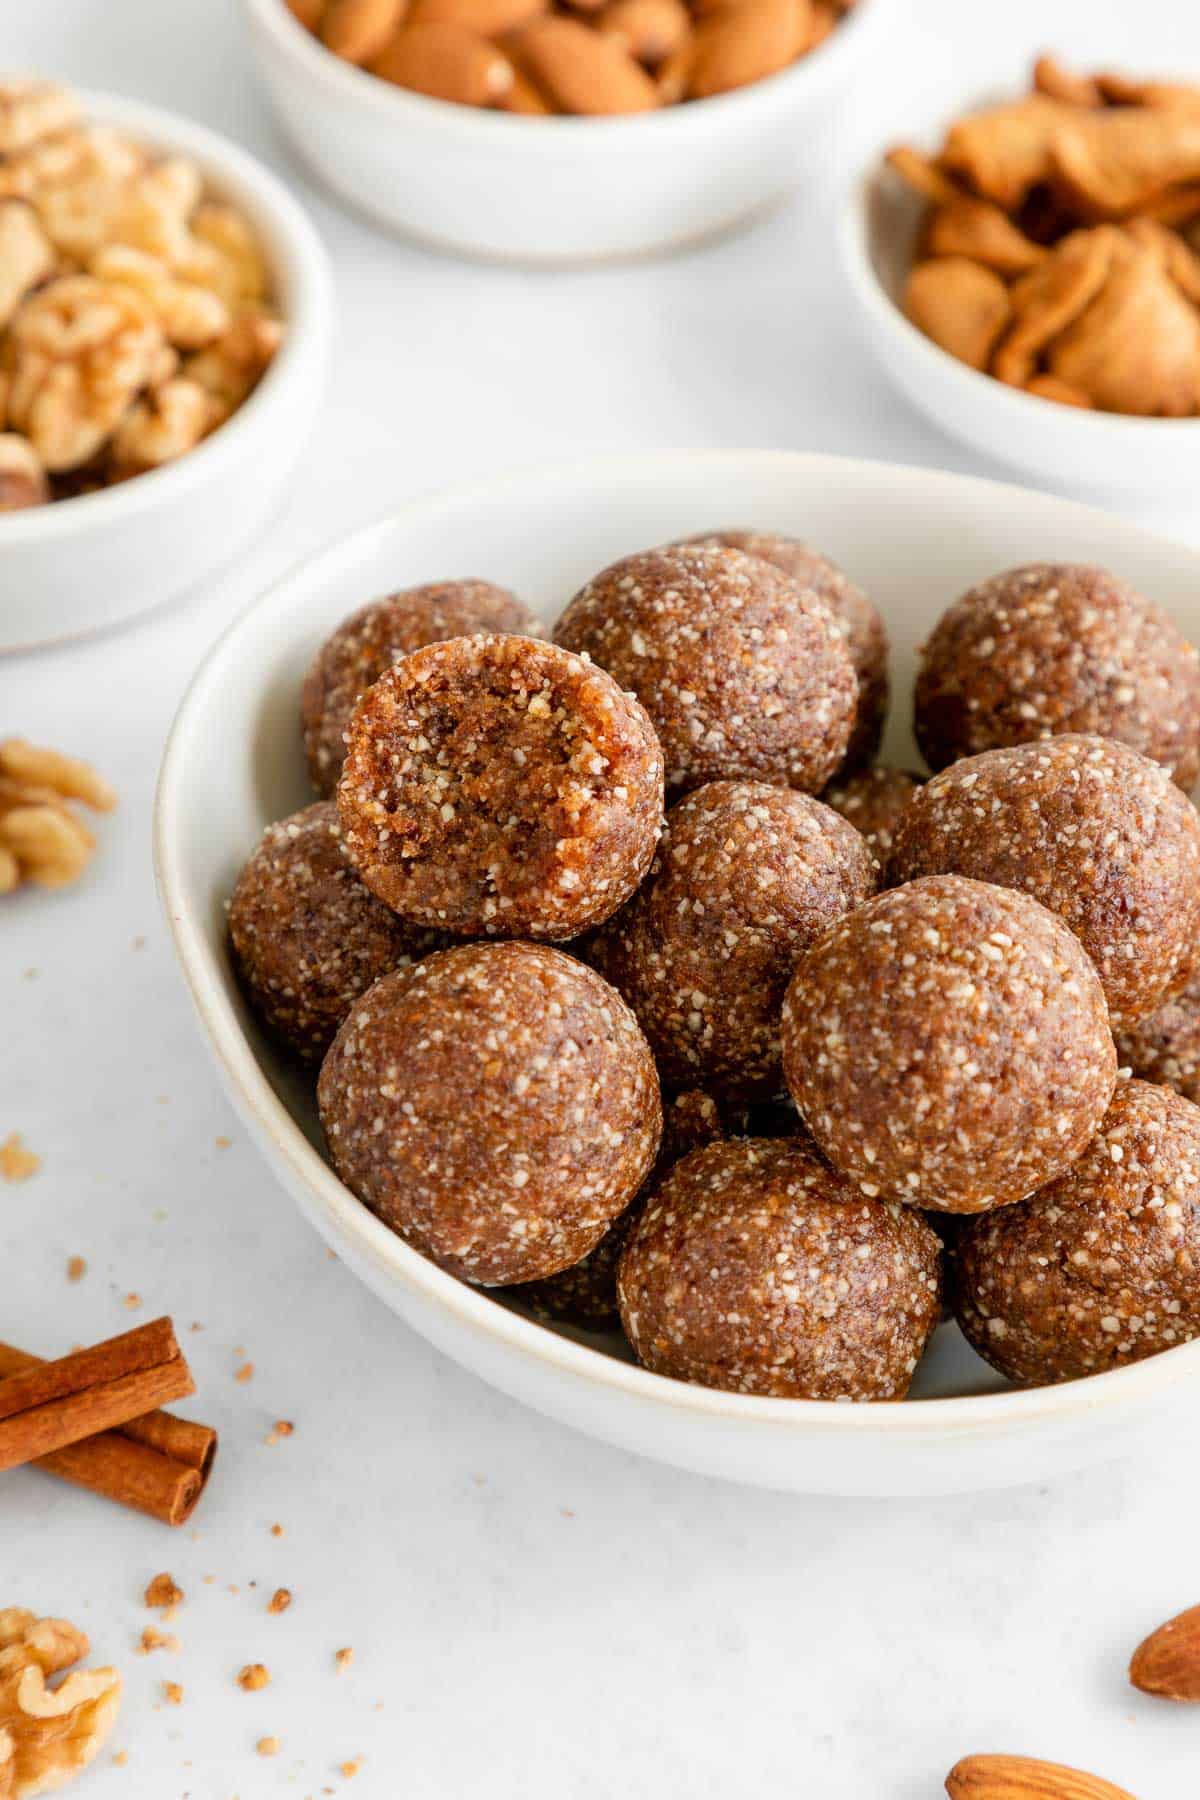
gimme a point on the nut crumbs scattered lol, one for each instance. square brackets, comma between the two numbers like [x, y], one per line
[16, 1162]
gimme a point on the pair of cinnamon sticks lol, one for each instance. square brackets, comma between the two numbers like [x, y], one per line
[94, 1418]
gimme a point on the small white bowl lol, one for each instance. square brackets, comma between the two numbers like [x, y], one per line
[915, 539]
[552, 190]
[1064, 445]
[78, 565]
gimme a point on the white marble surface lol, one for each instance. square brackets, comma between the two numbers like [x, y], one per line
[533, 1616]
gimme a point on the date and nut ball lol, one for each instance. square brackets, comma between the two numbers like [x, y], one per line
[1165, 1047]
[586, 1293]
[496, 1105]
[755, 1268]
[746, 877]
[378, 635]
[862, 625]
[948, 1045]
[1056, 648]
[1101, 1267]
[501, 787]
[873, 800]
[745, 675]
[307, 937]
[1092, 829]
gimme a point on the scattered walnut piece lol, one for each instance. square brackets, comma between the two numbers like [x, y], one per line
[351, 1766]
[40, 836]
[163, 1591]
[277, 1531]
[269, 1746]
[252, 1677]
[76, 1268]
[245, 1373]
[47, 1735]
[152, 1639]
[343, 1658]
[280, 1600]
[172, 1693]
[132, 1301]
[16, 1162]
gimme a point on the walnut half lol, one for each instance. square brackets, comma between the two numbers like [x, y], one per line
[48, 1734]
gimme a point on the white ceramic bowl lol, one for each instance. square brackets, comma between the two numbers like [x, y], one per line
[78, 565]
[1071, 448]
[915, 539]
[552, 189]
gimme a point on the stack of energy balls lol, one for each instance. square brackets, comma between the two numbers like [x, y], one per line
[758, 1073]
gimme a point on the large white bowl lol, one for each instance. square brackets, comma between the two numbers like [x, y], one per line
[915, 539]
[1065, 445]
[78, 565]
[553, 189]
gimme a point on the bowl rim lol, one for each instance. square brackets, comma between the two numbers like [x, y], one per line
[808, 75]
[474, 1311]
[1024, 410]
[297, 256]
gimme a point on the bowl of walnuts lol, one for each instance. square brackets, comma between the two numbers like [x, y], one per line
[164, 324]
[724, 976]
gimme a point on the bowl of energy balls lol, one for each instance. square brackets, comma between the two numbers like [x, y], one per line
[164, 324]
[724, 964]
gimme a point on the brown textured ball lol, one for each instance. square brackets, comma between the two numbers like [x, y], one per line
[1102, 1267]
[586, 1294]
[745, 675]
[873, 801]
[375, 637]
[1093, 830]
[865, 633]
[948, 1045]
[1166, 1046]
[496, 1105]
[307, 937]
[1054, 648]
[500, 786]
[755, 1268]
[746, 877]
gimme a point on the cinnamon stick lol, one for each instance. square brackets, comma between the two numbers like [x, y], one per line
[47, 1406]
[158, 1463]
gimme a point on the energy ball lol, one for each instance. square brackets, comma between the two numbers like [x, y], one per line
[378, 635]
[948, 1045]
[864, 630]
[745, 675]
[746, 877]
[586, 1294]
[1166, 1046]
[496, 1105]
[501, 787]
[1092, 829]
[307, 938]
[756, 1268]
[1056, 648]
[1102, 1267]
[873, 801]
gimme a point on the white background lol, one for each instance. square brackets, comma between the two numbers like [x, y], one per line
[534, 1616]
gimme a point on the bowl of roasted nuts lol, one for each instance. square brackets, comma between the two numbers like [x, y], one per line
[560, 130]
[725, 976]
[1030, 277]
[164, 323]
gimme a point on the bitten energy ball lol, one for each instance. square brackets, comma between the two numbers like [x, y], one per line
[586, 1294]
[1166, 1046]
[744, 674]
[746, 877]
[948, 1045]
[307, 937]
[500, 786]
[864, 630]
[755, 1268]
[1091, 829]
[873, 801]
[378, 635]
[1056, 648]
[1102, 1267]
[496, 1105]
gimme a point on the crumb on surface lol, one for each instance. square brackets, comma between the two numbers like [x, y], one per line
[280, 1600]
[132, 1302]
[222, 1142]
[76, 1268]
[269, 1746]
[120, 1757]
[245, 1373]
[343, 1658]
[253, 1677]
[351, 1766]
[277, 1531]
[16, 1162]
[163, 1591]
[172, 1693]
[151, 1639]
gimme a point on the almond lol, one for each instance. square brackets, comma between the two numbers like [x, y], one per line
[1168, 1663]
[650, 30]
[1024, 1778]
[581, 71]
[489, 18]
[446, 62]
[744, 43]
[357, 30]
